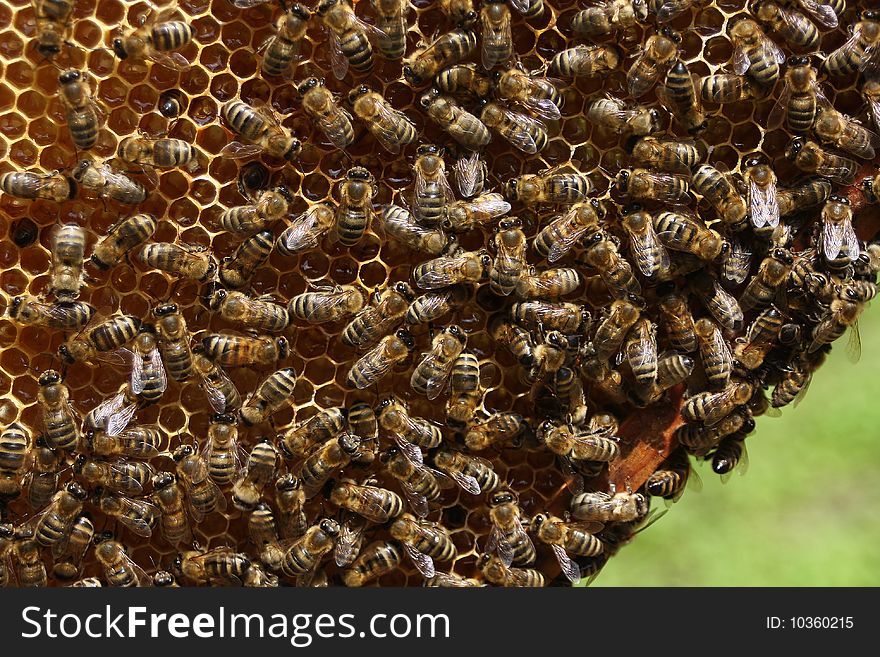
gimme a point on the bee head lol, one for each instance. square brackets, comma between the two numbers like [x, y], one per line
[329, 527]
[457, 332]
[308, 83]
[223, 418]
[362, 90]
[428, 149]
[324, 6]
[428, 97]
[300, 11]
[783, 255]
[871, 15]
[359, 173]
[283, 347]
[215, 297]
[182, 452]
[510, 189]
[287, 483]
[49, 377]
[102, 537]
[382, 405]
[622, 180]
[670, 34]
[502, 497]
[119, 49]
[405, 290]
[76, 490]
[349, 443]
[79, 463]
[163, 480]
[406, 338]
[411, 76]
[69, 76]
[794, 147]
[754, 160]
[165, 309]
[837, 198]
[7, 530]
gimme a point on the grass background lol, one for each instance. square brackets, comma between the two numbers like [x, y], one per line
[807, 511]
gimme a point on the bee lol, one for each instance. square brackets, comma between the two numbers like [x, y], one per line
[26, 559]
[566, 538]
[261, 127]
[70, 553]
[221, 449]
[420, 484]
[351, 46]
[148, 378]
[657, 56]
[164, 579]
[498, 428]
[446, 50]
[666, 10]
[351, 538]
[794, 28]
[516, 339]
[172, 103]
[670, 480]
[362, 421]
[173, 341]
[711, 407]
[591, 445]
[53, 20]
[120, 476]
[716, 188]
[106, 183]
[157, 40]
[727, 88]
[64, 315]
[320, 427]
[58, 413]
[402, 226]
[536, 94]
[723, 307]
[843, 313]
[496, 572]
[202, 495]
[267, 207]
[473, 474]
[465, 267]
[558, 188]
[809, 193]
[424, 542]
[677, 319]
[461, 125]
[408, 430]
[508, 536]
[585, 61]
[860, 50]
[755, 55]
[380, 360]
[641, 352]
[220, 391]
[871, 95]
[117, 566]
[236, 270]
[808, 156]
[699, 438]
[333, 120]
[567, 318]
[68, 250]
[54, 524]
[377, 559]
[760, 338]
[461, 216]
[840, 244]
[760, 180]
[643, 184]
[672, 370]
[730, 455]
[290, 498]
[497, 37]
[305, 554]
[685, 232]
[464, 82]
[282, 48]
[547, 284]
[273, 394]
[391, 22]
[261, 313]
[377, 320]
[329, 304]
[465, 393]
[460, 12]
[220, 566]
[772, 274]
[431, 190]
[391, 128]
[432, 306]
[611, 332]
[680, 96]
[525, 133]
[650, 255]
[796, 379]
[510, 259]
[714, 352]
[562, 233]
[609, 507]
[614, 270]
[169, 498]
[668, 155]
[141, 442]
[609, 16]
[306, 229]
[247, 491]
[471, 174]
[161, 153]
[619, 118]
[845, 133]
[28, 185]
[15, 459]
[121, 238]
[376, 504]
[84, 117]
[335, 453]
[192, 261]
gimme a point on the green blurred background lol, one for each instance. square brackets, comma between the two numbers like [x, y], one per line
[807, 511]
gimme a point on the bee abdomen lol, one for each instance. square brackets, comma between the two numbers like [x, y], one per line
[171, 35]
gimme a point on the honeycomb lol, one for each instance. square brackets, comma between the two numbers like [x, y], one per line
[225, 61]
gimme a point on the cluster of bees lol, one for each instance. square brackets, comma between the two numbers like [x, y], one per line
[682, 283]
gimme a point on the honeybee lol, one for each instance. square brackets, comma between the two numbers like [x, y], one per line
[524, 132]
[611, 332]
[585, 61]
[461, 216]
[566, 538]
[58, 413]
[685, 232]
[800, 99]
[424, 542]
[589, 445]
[463, 126]
[333, 120]
[273, 394]
[808, 156]
[730, 455]
[497, 37]
[496, 429]
[796, 379]
[160, 153]
[465, 267]
[117, 566]
[362, 421]
[666, 10]
[446, 50]
[380, 360]
[377, 320]
[721, 304]
[548, 284]
[680, 97]
[464, 81]
[157, 39]
[516, 339]
[431, 190]
[184, 260]
[236, 270]
[68, 250]
[261, 314]
[641, 352]
[410, 433]
[391, 128]
[320, 427]
[64, 315]
[755, 55]
[168, 496]
[727, 88]
[54, 524]
[290, 498]
[221, 449]
[432, 372]
[15, 459]
[566, 230]
[28, 185]
[202, 495]
[460, 12]
[219, 389]
[714, 352]
[84, 116]
[860, 51]
[496, 572]
[471, 173]
[473, 474]
[121, 238]
[173, 341]
[609, 16]
[643, 184]
[763, 287]
[510, 258]
[760, 338]
[650, 255]
[659, 52]
[795, 28]
[549, 187]
[402, 226]
[107, 183]
[335, 453]
[567, 318]
[329, 303]
[668, 155]
[219, 566]
[434, 305]
[43, 475]
[604, 507]
[672, 370]
[670, 480]
[53, 21]
[808, 194]
[375, 560]
[247, 491]
[267, 207]
[699, 438]
[282, 48]
[70, 553]
[615, 271]
[465, 393]
[171, 103]
[304, 555]
[843, 313]
[306, 229]
[847, 134]
[148, 377]
[376, 504]
[620, 118]
[536, 94]
[140, 442]
[715, 187]
[508, 536]
[420, 483]
[711, 407]
[351, 46]
[760, 180]
[261, 127]
[391, 22]
[840, 244]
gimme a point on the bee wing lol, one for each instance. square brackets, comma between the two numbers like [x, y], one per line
[349, 542]
[136, 521]
[874, 108]
[423, 563]
[742, 466]
[440, 276]
[214, 391]
[436, 383]
[417, 501]
[143, 580]
[336, 137]
[496, 543]
[741, 62]
[387, 116]
[300, 234]
[467, 174]
[173, 60]
[431, 303]
[569, 568]
[519, 135]
[411, 451]
[522, 6]
[670, 9]
[118, 420]
[373, 368]
[569, 238]
[772, 51]
[763, 204]
[721, 348]
[466, 482]
[246, 4]
[651, 255]
[156, 361]
[833, 237]
[235, 150]
[737, 263]
[823, 13]
[338, 60]
[725, 308]
[491, 204]
[854, 343]
[777, 115]
[143, 447]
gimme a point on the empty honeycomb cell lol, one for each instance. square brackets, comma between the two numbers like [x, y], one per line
[143, 98]
[234, 35]
[42, 131]
[745, 136]
[23, 153]
[24, 388]
[11, 45]
[112, 92]
[12, 125]
[13, 282]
